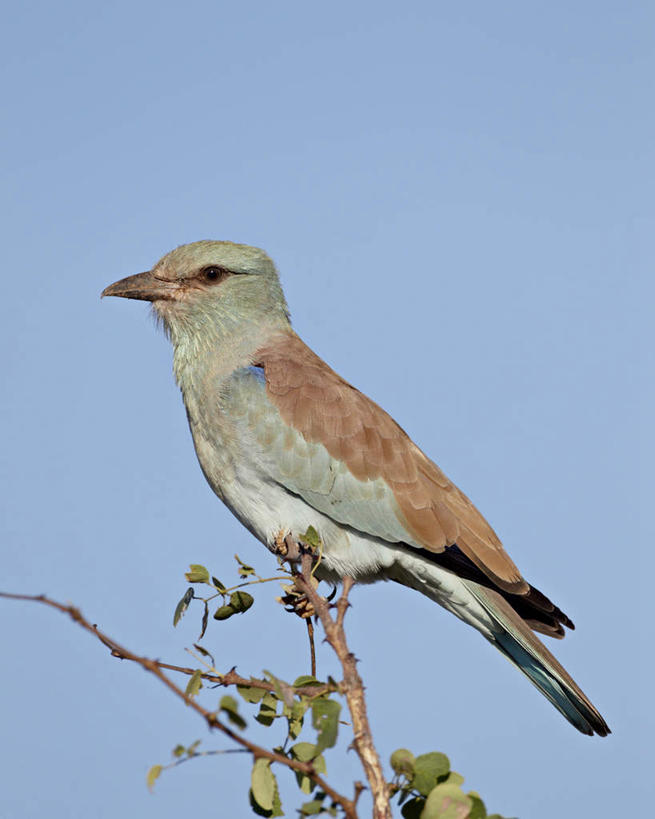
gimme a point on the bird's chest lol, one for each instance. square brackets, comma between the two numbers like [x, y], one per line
[227, 457]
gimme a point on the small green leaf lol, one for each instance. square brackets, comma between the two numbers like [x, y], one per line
[311, 808]
[453, 778]
[231, 708]
[268, 709]
[478, 810]
[241, 601]
[217, 584]
[179, 750]
[153, 775]
[446, 802]
[277, 803]
[325, 719]
[223, 612]
[203, 651]
[244, 569]
[195, 683]
[255, 807]
[262, 783]
[304, 783]
[205, 619]
[402, 762]
[311, 538]
[191, 750]
[198, 574]
[305, 681]
[295, 728]
[304, 751]
[182, 606]
[427, 769]
[251, 694]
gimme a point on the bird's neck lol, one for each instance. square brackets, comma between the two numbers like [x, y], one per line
[208, 349]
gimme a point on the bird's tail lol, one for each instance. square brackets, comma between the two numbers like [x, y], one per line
[521, 646]
[496, 620]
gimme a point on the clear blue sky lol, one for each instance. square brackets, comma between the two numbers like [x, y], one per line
[459, 200]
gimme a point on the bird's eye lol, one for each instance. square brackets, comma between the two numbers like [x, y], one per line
[213, 273]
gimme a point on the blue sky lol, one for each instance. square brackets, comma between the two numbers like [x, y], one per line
[459, 200]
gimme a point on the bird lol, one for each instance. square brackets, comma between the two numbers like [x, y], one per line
[287, 444]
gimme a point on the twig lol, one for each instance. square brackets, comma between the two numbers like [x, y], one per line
[210, 717]
[354, 687]
[229, 677]
[312, 647]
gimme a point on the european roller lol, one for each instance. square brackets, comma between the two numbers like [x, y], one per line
[286, 443]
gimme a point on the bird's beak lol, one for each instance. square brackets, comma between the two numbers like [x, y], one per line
[143, 286]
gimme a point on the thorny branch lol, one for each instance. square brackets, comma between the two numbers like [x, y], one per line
[352, 686]
[352, 682]
[154, 667]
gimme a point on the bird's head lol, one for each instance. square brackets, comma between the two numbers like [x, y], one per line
[207, 287]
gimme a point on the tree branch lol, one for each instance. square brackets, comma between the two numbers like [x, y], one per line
[210, 717]
[353, 685]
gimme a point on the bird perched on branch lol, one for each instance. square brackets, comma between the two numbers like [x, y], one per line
[287, 444]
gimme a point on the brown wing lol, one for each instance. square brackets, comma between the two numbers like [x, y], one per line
[325, 409]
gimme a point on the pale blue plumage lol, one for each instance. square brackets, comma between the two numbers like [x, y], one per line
[305, 468]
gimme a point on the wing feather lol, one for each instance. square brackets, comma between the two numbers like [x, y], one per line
[413, 502]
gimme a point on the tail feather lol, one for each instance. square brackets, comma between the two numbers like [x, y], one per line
[518, 643]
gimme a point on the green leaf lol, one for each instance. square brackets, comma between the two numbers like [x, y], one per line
[312, 808]
[311, 538]
[241, 601]
[153, 775]
[244, 569]
[277, 803]
[251, 694]
[427, 769]
[306, 680]
[268, 709]
[182, 606]
[191, 750]
[231, 709]
[198, 574]
[295, 716]
[195, 683]
[203, 651]
[447, 801]
[304, 751]
[325, 719]
[262, 783]
[413, 808]
[217, 584]
[478, 810]
[223, 612]
[205, 619]
[453, 778]
[228, 703]
[402, 762]
[179, 750]
[304, 782]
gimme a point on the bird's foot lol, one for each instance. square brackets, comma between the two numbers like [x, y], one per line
[295, 601]
[287, 547]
